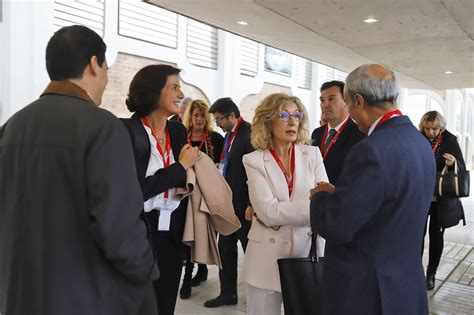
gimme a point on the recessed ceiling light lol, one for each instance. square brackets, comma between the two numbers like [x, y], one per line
[448, 72]
[371, 20]
[242, 23]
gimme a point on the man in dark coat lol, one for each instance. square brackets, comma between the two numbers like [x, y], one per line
[236, 145]
[71, 237]
[373, 221]
[339, 134]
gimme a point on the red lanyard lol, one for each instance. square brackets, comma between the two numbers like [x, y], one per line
[202, 141]
[292, 165]
[437, 142]
[388, 115]
[324, 151]
[166, 160]
[231, 140]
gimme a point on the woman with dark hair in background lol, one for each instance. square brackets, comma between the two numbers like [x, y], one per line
[161, 157]
[446, 150]
[197, 121]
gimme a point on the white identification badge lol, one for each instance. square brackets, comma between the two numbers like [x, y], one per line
[164, 219]
[221, 168]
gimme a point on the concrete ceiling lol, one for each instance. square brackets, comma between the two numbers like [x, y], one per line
[420, 39]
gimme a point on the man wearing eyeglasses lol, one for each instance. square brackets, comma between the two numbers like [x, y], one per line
[237, 144]
[337, 137]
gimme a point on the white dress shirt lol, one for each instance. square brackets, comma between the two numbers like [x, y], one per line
[156, 162]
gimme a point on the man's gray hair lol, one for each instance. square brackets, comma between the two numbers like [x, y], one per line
[374, 90]
[185, 102]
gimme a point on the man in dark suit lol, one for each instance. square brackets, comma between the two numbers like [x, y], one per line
[237, 144]
[337, 137]
[374, 219]
[71, 239]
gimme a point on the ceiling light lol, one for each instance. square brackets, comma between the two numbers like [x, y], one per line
[371, 20]
[242, 23]
[448, 72]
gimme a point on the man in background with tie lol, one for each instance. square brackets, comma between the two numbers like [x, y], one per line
[237, 144]
[337, 137]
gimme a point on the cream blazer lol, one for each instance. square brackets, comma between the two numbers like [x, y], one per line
[268, 193]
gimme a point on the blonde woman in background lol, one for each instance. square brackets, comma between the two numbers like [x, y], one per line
[446, 151]
[280, 173]
[198, 124]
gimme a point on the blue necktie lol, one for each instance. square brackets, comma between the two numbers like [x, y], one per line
[226, 155]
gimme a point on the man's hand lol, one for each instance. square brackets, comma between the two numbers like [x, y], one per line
[321, 186]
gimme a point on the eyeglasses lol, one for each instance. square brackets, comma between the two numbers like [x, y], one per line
[285, 116]
[218, 120]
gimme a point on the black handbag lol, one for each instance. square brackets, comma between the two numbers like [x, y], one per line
[300, 282]
[453, 183]
[450, 212]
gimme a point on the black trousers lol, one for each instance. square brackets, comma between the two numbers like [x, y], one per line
[228, 251]
[436, 235]
[169, 258]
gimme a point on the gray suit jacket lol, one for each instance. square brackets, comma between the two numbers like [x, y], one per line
[71, 240]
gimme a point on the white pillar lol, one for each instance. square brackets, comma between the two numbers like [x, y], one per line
[25, 29]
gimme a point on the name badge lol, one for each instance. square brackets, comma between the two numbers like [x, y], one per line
[164, 219]
[221, 168]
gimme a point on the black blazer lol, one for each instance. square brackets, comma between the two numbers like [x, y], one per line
[165, 178]
[449, 144]
[334, 161]
[217, 142]
[235, 175]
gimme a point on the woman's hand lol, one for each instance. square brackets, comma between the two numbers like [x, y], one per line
[249, 213]
[321, 186]
[449, 159]
[188, 156]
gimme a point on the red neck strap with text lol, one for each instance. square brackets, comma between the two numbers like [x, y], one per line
[388, 115]
[292, 168]
[324, 151]
[231, 140]
[437, 142]
[166, 159]
[202, 141]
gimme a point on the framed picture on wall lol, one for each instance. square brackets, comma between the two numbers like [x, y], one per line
[277, 61]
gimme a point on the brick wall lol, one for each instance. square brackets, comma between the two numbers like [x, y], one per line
[121, 74]
[249, 103]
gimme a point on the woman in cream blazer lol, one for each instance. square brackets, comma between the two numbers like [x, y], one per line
[280, 226]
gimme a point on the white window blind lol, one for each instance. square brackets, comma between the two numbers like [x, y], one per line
[81, 12]
[330, 75]
[341, 76]
[201, 44]
[249, 51]
[148, 23]
[303, 73]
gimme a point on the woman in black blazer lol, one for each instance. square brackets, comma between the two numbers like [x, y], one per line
[197, 121]
[161, 157]
[446, 150]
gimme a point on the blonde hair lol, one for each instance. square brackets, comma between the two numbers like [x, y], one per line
[435, 117]
[269, 108]
[202, 106]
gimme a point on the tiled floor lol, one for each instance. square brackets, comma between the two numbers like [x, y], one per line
[453, 294]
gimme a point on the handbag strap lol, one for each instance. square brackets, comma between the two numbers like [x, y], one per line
[456, 178]
[313, 254]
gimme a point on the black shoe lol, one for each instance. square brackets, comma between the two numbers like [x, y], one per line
[200, 276]
[221, 300]
[185, 291]
[430, 281]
